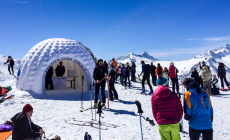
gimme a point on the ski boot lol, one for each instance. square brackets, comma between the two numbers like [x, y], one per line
[143, 91]
[115, 98]
[95, 106]
[228, 87]
[151, 91]
[222, 89]
[103, 105]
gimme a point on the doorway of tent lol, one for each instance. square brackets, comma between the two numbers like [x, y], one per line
[66, 79]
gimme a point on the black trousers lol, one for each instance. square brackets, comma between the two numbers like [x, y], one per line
[175, 83]
[195, 134]
[117, 76]
[222, 80]
[112, 90]
[133, 77]
[154, 79]
[48, 82]
[146, 77]
[97, 88]
[12, 68]
[127, 77]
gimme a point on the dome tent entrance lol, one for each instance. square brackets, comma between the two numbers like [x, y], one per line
[42, 56]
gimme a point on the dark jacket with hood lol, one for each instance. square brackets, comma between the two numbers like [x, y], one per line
[221, 70]
[128, 69]
[195, 76]
[198, 107]
[112, 73]
[22, 129]
[60, 71]
[11, 62]
[99, 73]
[133, 68]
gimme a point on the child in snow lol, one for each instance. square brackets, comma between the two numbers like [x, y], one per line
[167, 110]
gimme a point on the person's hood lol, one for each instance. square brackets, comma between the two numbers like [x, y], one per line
[205, 68]
[162, 91]
[18, 117]
[194, 87]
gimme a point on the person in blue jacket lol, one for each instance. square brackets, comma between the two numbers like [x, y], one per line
[198, 110]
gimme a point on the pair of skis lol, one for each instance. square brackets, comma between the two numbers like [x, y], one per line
[3, 99]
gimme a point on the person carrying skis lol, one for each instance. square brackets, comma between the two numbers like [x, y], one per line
[198, 111]
[173, 76]
[112, 74]
[195, 76]
[122, 69]
[207, 77]
[118, 73]
[146, 76]
[222, 76]
[152, 72]
[128, 69]
[167, 110]
[114, 62]
[60, 70]
[99, 76]
[106, 67]
[159, 70]
[49, 80]
[133, 77]
[215, 86]
[10, 62]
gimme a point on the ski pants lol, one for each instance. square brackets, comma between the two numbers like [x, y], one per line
[146, 77]
[12, 69]
[133, 77]
[48, 82]
[169, 131]
[127, 77]
[175, 83]
[117, 76]
[195, 134]
[99, 86]
[112, 90]
[122, 79]
[207, 86]
[154, 79]
[223, 79]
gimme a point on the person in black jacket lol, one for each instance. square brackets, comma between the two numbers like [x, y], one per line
[112, 74]
[10, 62]
[133, 77]
[128, 69]
[99, 76]
[106, 67]
[222, 76]
[23, 127]
[60, 70]
[152, 72]
[49, 80]
[195, 76]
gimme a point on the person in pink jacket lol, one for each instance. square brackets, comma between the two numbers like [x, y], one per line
[167, 110]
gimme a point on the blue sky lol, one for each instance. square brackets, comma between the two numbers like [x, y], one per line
[167, 29]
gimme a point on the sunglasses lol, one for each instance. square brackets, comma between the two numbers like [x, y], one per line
[100, 62]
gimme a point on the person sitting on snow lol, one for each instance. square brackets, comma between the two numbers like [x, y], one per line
[23, 127]
[167, 110]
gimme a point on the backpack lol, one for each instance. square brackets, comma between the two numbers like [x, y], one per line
[2, 91]
[147, 69]
[87, 136]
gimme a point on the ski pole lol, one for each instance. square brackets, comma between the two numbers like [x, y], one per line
[82, 93]
[108, 91]
[140, 111]
[91, 101]
[99, 111]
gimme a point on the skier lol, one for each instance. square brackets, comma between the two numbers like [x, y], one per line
[114, 62]
[10, 62]
[133, 77]
[60, 70]
[23, 127]
[198, 111]
[215, 86]
[167, 110]
[49, 81]
[99, 76]
[122, 69]
[152, 71]
[146, 76]
[222, 75]
[128, 69]
[207, 77]
[106, 67]
[173, 76]
[159, 70]
[112, 74]
[118, 73]
[195, 76]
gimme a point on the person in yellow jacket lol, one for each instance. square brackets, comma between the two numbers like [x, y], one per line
[114, 62]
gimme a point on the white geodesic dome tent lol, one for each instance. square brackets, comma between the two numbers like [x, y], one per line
[42, 56]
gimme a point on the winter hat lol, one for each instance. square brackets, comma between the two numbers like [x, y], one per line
[171, 63]
[27, 108]
[162, 81]
[214, 76]
[203, 62]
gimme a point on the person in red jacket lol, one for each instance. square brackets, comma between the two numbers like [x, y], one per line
[167, 110]
[173, 76]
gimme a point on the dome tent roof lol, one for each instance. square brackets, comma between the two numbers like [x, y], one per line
[38, 60]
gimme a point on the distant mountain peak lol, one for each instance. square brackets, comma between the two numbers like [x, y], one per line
[132, 56]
